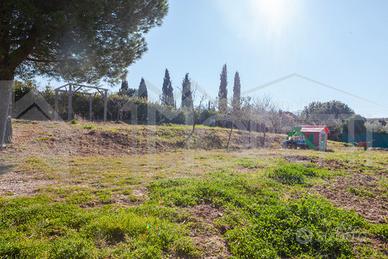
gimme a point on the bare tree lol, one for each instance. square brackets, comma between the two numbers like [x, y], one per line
[194, 111]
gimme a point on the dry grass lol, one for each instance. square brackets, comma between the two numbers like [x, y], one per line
[97, 166]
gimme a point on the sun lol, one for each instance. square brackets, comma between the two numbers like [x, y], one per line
[274, 10]
[274, 13]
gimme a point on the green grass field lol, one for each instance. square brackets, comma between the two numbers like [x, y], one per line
[60, 200]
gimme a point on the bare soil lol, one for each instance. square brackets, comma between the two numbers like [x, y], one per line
[330, 164]
[374, 209]
[18, 183]
[205, 235]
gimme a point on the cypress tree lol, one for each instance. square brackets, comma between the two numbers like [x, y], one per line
[142, 107]
[167, 90]
[236, 92]
[124, 85]
[187, 95]
[142, 92]
[171, 96]
[223, 91]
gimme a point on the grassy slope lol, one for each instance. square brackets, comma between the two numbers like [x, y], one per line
[184, 202]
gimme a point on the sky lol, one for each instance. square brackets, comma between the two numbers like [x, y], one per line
[292, 51]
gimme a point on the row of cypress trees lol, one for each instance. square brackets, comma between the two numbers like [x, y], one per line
[223, 92]
[141, 92]
[167, 98]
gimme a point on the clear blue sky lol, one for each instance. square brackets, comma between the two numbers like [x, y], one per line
[340, 43]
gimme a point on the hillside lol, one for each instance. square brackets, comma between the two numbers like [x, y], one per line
[83, 138]
[114, 190]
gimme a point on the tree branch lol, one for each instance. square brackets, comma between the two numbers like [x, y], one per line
[20, 54]
[44, 60]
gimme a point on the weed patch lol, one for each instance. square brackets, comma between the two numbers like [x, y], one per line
[291, 173]
[257, 223]
[39, 226]
[248, 163]
[362, 192]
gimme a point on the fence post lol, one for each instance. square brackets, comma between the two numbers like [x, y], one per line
[70, 104]
[105, 105]
[56, 106]
[90, 107]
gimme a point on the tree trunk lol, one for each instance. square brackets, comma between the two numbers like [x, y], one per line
[5, 111]
[229, 137]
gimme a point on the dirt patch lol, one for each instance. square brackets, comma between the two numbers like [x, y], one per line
[330, 164]
[374, 209]
[299, 159]
[376, 243]
[17, 183]
[139, 195]
[205, 235]
[140, 192]
[355, 191]
[124, 200]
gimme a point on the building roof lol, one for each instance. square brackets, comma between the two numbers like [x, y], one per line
[314, 129]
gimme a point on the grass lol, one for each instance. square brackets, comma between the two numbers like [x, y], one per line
[249, 163]
[259, 223]
[141, 206]
[362, 192]
[291, 174]
[39, 226]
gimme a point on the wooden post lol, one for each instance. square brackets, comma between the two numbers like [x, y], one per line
[90, 107]
[105, 104]
[70, 104]
[249, 125]
[56, 105]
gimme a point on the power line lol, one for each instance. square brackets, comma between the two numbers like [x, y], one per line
[315, 82]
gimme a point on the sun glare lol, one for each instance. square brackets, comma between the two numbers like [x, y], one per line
[273, 13]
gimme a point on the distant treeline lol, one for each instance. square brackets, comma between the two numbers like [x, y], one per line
[261, 114]
[128, 106]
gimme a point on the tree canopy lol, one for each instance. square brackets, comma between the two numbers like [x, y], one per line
[77, 40]
[332, 112]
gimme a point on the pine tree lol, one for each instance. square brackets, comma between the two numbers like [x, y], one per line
[223, 91]
[236, 92]
[142, 92]
[187, 95]
[167, 91]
